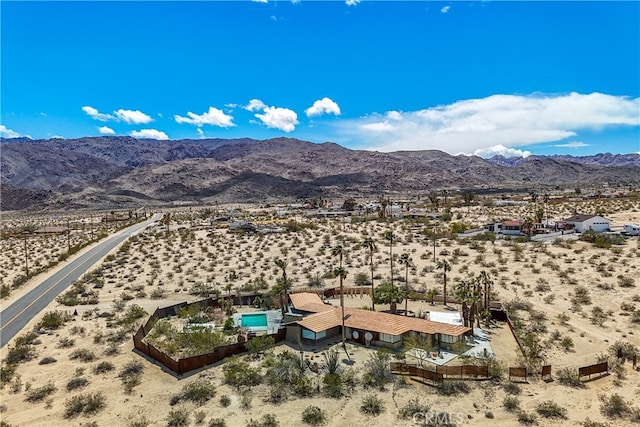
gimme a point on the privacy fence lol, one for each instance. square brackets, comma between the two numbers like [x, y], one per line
[187, 364]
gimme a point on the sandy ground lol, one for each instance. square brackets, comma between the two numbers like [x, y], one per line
[196, 255]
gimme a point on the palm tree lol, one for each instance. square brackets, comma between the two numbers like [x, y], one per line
[386, 293]
[445, 267]
[486, 281]
[388, 235]
[282, 265]
[468, 292]
[341, 273]
[370, 244]
[405, 259]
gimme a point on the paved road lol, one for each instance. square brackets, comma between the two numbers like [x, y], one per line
[16, 316]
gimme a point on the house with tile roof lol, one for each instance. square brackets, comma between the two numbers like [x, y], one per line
[317, 321]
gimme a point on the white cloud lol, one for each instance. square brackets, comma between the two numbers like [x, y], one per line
[149, 134]
[572, 144]
[106, 130]
[351, 2]
[213, 117]
[507, 120]
[96, 115]
[260, 1]
[255, 105]
[279, 118]
[8, 133]
[133, 116]
[201, 133]
[445, 9]
[323, 106]
[502, 151]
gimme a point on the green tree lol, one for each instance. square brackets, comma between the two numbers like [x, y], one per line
[370, 244]
[405, 259]
[386, 293]
[445, 267]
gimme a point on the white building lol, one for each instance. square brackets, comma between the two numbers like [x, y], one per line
[631, 229]
[583, 223]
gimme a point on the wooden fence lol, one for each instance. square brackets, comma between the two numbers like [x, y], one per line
[441, 372]
[598, 368]
[518, 373]
[182, 366]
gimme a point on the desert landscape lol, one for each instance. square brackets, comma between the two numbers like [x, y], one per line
[573, 304]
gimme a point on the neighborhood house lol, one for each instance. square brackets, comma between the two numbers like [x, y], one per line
[582, 223]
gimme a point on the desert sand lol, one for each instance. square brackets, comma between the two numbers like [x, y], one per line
[158, 268]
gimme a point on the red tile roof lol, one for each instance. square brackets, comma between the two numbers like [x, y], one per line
[367, 320]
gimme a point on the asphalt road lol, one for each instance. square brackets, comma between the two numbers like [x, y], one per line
[16, 316]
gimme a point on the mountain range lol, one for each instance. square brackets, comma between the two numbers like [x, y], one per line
[117, 172]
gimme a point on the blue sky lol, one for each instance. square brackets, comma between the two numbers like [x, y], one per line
[462, 77]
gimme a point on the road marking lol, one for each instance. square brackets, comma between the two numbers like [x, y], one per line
[122, 234]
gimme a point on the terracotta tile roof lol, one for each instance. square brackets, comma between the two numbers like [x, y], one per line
[307, 301]
[374, 321]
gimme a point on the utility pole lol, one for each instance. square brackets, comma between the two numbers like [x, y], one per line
[68, 236]
[26, 257]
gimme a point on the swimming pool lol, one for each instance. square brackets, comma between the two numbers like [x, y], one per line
[254, 320]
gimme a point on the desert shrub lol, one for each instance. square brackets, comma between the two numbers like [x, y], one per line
[217, 422]
[566, 343]
[66, 342]
[511, 388]
[314, 416]
[412, 407]
[82, 354]
[550, 409]
[141, 422]
[452, 388]
[258, 345]
[377, 372]
[238, 373]
[225, 401]
[178, 418]
[332, 386]
[591, 423]
[527, 418]
[267, 420]
[569, 377]
[103, 367]
[277, 393]
[626, 281]
[85, 404]
[130, 375]
[47, 360]
[372, 405]
[614, 406]
[198, 392]
[7, 371]
[53, 320]
[626, 349]
[511, 403]
[76, 383]
[39, 394]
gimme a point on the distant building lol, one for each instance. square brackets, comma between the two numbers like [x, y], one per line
[631, 229]
[582, 223]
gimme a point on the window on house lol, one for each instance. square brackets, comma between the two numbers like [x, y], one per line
[390, 338]
[448, 339]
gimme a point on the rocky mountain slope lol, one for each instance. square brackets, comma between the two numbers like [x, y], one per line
[114, 172]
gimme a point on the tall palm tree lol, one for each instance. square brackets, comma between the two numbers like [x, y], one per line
[341, 273]
[390, 236]
[370, 244]
[282, 265]
[486, 281]
[445, 267]
[405, 259]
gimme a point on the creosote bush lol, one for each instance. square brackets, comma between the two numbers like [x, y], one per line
[314, 416]
[372, 405]
[84, 404]
[39, 394]
[550, 409]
